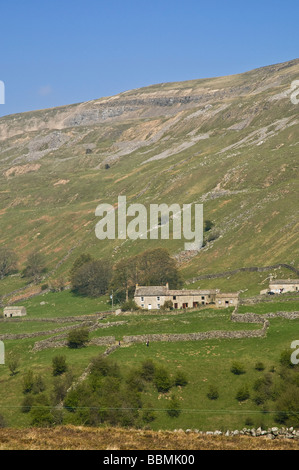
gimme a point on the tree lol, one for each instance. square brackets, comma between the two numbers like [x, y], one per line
[8, 262]
[80, 261]
[124, 278]
[35, 265]
[92, 278]
[59, 365]
[156, 268]
[13, 364]
[78, 338]
[38, 385]
[28, 382]
[150, 268]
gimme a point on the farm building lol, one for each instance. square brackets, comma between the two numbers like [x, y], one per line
[153, 297]
[279, 286]
[11, 312]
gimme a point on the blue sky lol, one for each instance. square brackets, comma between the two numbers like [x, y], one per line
[61, 52]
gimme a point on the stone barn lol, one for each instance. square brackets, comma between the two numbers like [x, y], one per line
[279, 286]
[12, 312]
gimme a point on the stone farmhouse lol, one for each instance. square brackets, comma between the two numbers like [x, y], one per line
[280, 286]
[11, 312]
[153, 297]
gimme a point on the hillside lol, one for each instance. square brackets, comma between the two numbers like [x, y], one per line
[230, 143]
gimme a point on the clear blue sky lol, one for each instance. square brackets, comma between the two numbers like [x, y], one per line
[67, 51]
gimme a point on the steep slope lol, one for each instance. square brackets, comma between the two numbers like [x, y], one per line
[230, 142]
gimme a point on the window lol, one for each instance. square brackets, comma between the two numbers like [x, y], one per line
[142, 299]
[142, 305]
[203, 298]
[158, 298]
[159, 306]
[174, 297]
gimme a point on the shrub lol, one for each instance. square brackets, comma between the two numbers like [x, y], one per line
[13, 364]
[238, 368]
[173, 408]
[213, 393]
[105, 367]
[180, 379]
[249, 422]
[41, 415]
[162, 380]
[285, 358]
[38, 385]
[243, 393]
[27, 404]
[148, 370]
[259, 366]
[148, 415]
[168, 305]
[130, 305]
[28, 382]
[78, 338]
[135, 382]
[59, 365]
[60, 387]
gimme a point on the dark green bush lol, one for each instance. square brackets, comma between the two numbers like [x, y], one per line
[78, 338]
[180, 379]
[213, 393]
[243, 393]
[173, 408]
[238, 368]
[259, 366]
[59, 365]
[162, 380]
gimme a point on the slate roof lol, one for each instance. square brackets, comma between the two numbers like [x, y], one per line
[284, 281]
[154, 291]
[151, 291]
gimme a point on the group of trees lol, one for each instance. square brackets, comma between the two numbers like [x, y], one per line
[34, 268]
[95, 277]
[112, 397]
[275, 388]
[109, 395]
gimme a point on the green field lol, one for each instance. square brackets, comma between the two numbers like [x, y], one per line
[204, 362]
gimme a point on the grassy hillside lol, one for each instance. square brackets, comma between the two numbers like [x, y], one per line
[230, 143]
[205, 363]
